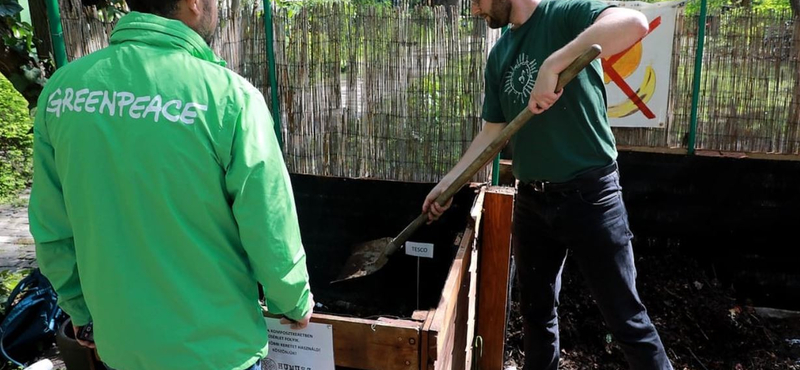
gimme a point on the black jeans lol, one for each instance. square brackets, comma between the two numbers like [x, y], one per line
[586, 215]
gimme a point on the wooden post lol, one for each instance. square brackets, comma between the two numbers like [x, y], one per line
[41, 28]
[493, 274]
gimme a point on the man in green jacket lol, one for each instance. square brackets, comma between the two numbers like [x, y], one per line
[160, 198]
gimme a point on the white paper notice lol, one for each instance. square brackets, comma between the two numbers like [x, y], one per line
[307, 349]
[638, 79]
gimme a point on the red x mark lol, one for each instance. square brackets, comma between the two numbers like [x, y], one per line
[608, 68]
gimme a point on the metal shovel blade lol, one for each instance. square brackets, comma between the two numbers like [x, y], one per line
[366, 258]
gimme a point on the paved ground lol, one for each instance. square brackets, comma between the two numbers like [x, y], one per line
[18, 252]
[16, 244]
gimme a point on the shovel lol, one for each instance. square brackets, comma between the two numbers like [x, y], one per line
[369, 257]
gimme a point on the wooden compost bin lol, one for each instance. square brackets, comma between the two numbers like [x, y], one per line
[380, 322]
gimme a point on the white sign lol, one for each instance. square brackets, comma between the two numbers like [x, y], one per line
[637, 80]
[419, 249]
[307, 349]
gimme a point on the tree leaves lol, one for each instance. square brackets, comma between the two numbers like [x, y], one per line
[9, 8]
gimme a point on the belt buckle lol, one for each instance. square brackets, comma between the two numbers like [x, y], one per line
[539, 186]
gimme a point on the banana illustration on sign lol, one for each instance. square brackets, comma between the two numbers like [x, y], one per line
[645, 92]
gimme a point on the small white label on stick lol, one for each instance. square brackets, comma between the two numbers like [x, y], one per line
[419, 249]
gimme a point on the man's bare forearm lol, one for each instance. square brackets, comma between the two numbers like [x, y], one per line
[489, 132]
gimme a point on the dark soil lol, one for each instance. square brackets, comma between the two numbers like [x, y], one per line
[336, 214]
[702, 327]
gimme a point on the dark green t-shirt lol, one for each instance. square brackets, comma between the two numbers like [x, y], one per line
[573, 136]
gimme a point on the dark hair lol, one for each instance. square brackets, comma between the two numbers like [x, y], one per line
[159, 7]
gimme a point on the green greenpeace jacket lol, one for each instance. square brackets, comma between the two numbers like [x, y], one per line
[160, 198]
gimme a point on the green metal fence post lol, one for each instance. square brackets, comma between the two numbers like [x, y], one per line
[273, 79]
[56, 32]
[496, 170]
[698, 69]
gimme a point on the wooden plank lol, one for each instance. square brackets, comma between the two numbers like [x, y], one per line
[473, 299]
[463, 307]
[384, 344]
[442, 326]
[442, 320]
[445, 361]
[445, 310]
[419, 315]
[428, 344]
[476, 212]
[712, 153]
[746, 155]
[445, 321]
[652, 149]
[493, 275]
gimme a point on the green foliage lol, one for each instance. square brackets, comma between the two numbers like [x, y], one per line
[719, 6]
[21, 36]
[112, 10]
[9, 280]
[16, 144]
[776, 5]
[712, 6]
[20, 39]
[27, 72]
[293, 7]
[9, 8]
[302, 3]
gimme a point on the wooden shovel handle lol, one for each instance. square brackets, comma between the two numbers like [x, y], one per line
[495, 146]
[398, 241]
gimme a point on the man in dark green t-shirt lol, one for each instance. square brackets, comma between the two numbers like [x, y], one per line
[569, 195]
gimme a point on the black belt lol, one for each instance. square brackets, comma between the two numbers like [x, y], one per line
[578, 182]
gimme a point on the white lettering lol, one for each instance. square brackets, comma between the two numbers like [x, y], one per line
[187, 116]
[125, 99]
[54, 105]
[66, 102]
[154, 107]
[167, 115]
[110, 104]
[137, 106]
[94, 98]
[80, 99]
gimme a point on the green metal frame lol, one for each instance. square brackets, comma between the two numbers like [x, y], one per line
[496, 170]
[56, 32]
[273, 79]
[698, 72]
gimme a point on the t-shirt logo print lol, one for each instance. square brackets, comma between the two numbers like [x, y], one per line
[520, 78]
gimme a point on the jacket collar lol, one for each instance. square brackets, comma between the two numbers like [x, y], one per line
[162, 32]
